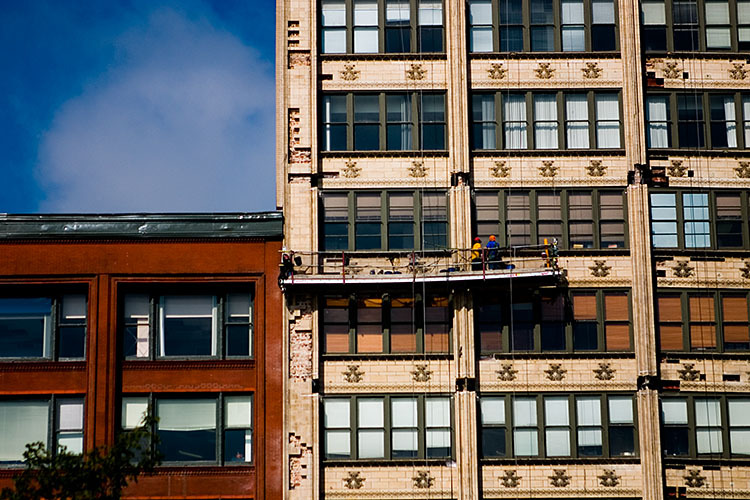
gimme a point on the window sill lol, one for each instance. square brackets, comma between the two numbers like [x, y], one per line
[677, 356]
[700, 253]
[551, 55]
[547, 152]
[385, 56]
[665, 153]
[682, 461]
[387, 356]
[385, 154]
[558, 354]
[38, 364]
[187, 363]
[558, 460]
[384, 462]
[717, 54]
[200, 469]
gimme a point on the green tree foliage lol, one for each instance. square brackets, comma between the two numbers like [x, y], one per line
[101, 473]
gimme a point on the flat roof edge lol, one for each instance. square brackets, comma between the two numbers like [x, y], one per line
[141, 225]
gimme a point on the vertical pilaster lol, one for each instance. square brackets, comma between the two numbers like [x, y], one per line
[466, 448]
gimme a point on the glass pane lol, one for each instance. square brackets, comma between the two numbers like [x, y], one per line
[371, 444]
[25, 326]
[480, 12]
[603, 12]
[72, 441]
[134, 410]
[739, 441]
[70, 416]
[674, 411]
[481, 39]
[620, 410]
[438, 443]
[707, 412]
[739, 412]
[336, 413]
[430, 13]
[524, 412]
[238, 445]
[370, 412]
[589, 410]
[338, 444]
[557, 442]
[397, 11]
[238, 411]
[653, 12]
[188, 326]
[437, 412]
[404, 412]
[709, 441]
[187, 429]
[525, 442]
[621, 441]
[493, 411]
[404, 443]
[334, 13]
[493, 442]
[21, 422]
[556, 411]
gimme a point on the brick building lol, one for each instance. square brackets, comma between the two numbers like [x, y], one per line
[408, 128]
[104, 317]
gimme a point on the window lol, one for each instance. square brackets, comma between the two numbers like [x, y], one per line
[709, 219]
[695, 25]
[551, 426]
[397, 323]
[506, 127]
[381, 26]
[583, 320]
[379, 220]
[38, 327]
[215, 429]
[383, 122]
[703, 321]
[698, 426]
[26, 421]
[552, 26]
[579, 219]
[182, 325]
[689, 130]
[387, 427]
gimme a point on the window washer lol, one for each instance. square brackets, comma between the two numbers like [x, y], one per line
[476, 254]
[492, 249]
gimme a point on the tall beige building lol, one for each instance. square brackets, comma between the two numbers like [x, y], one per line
[600, 346]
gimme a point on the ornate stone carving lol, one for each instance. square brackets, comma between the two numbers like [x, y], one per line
[548, 169]
[351, 170]
[677, 169]
[596, 169]
[510, 479]
[745, 271]
[559, 479]
[423, 480]
[416, 72]
[349, 72]
[743, 170]
[421, 373]
[609, 479]
[500, 169]
[496, 71]
[592, 70]
[417, 169]
[352, 374]
[555, 372]
[604, 372]
[299, 455]
[738, 71]
[507, 373]
[600, 269]
[354, 481]
[544, 71]
[689, 373]
[296, 59]
[694, 479]
[683, 269]
[672, 70]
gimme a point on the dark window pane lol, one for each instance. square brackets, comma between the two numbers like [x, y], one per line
[129, 340]
[686, 39]
[431, 39]
[182, 446]
[234, 446]
[542, 39]
[72, 341]
[603, 37]
[366, 137]
[585, 336]
[435, 235]
[238, 340]
[511, 11]
[621, 441]
[399, 137]
[542, 12]
[401, 235]
[511, 39]
[397, 39]
[493, 442]
[433, 137]
[675, 441]
[335, 138]
[553, 337]
[336, 236]
[24, 327]
[654, 38]
[187, 336]
[368, 236]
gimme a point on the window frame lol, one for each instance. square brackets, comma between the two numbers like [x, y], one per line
[673, 122]
[701, 26]
[541, 426]
[685, 323]
[556, 29]
[713, 219]
[568, 323]
[532, 195]
[220, 321]
[387, 427]
[56, 324]
[692, 426]
[420, 323]
[219, 399]
[561, 123]
[414, 27]
[419, 219]
[416, 122]
[53, 402]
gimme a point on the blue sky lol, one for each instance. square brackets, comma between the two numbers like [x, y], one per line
[136, 105]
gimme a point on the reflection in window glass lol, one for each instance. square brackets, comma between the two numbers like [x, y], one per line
[188, 325]
[187, 429]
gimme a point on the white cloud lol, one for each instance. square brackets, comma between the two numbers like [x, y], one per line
[183, 121]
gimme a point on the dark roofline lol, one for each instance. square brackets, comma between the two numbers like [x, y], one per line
[141, 226]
